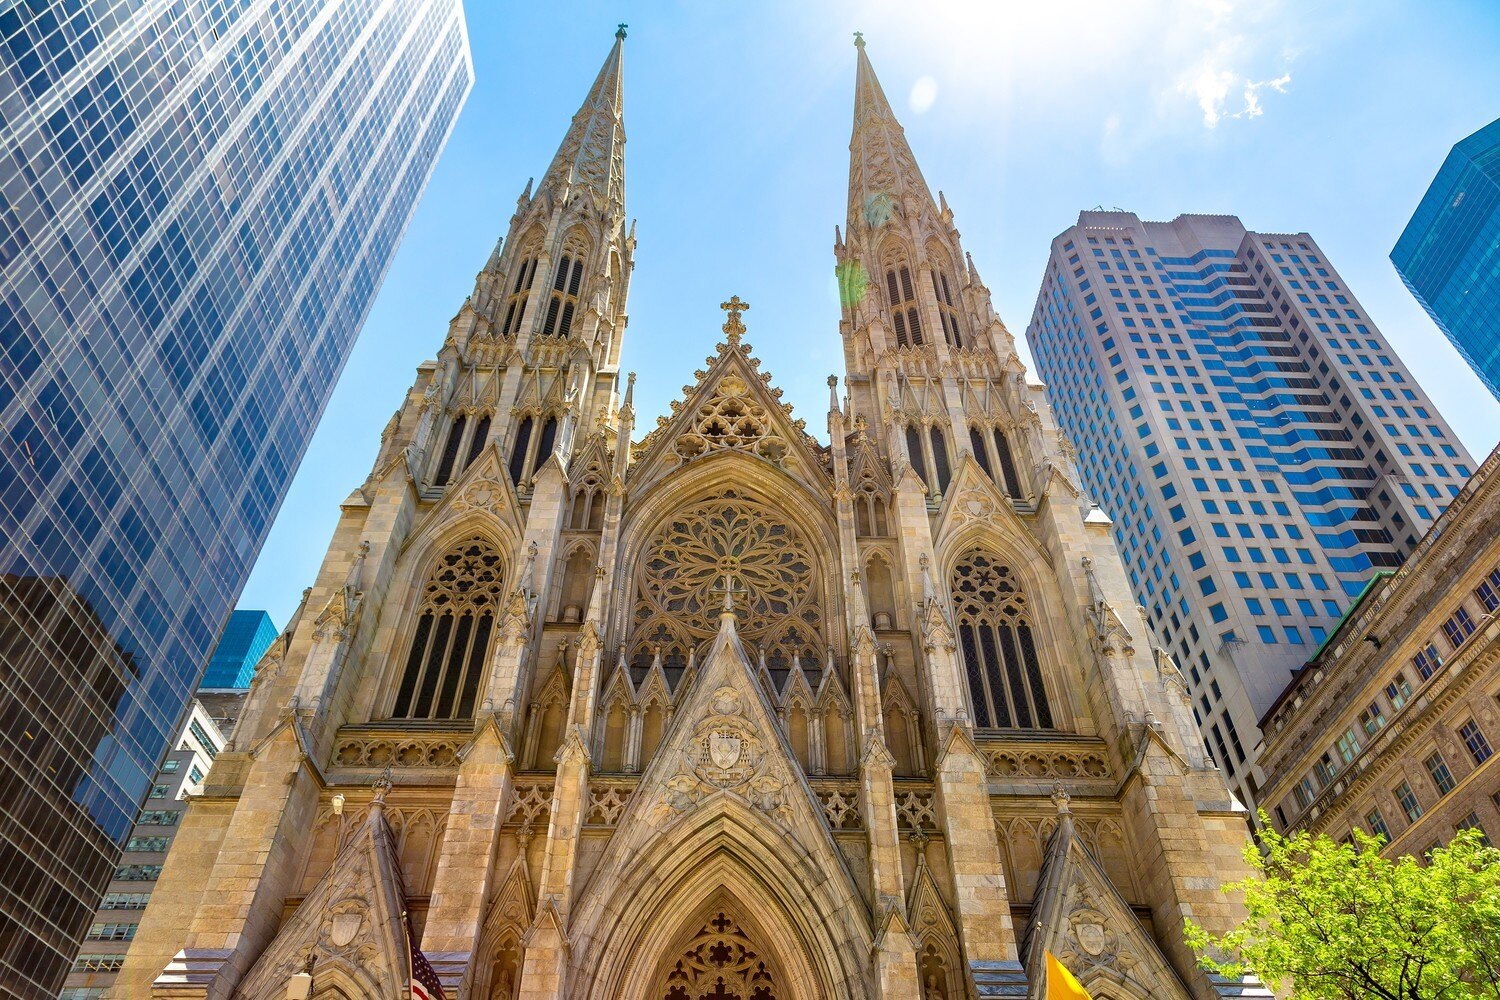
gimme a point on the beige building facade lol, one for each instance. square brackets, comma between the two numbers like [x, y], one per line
[716, 711]
[1391, 728]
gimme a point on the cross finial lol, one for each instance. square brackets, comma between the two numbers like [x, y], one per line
[620, 31]
[734, 327]
[859, 39]
[728, 590]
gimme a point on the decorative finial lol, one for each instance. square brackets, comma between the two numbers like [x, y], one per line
[381, 785]
[620, 31]
[859, 39]
[728, 590]
[734, 327]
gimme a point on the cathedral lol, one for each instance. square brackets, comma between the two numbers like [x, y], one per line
[709, 710]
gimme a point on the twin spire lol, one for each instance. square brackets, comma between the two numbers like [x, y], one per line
[882, 170]
[592, 155]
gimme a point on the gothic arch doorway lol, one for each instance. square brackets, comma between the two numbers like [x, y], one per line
[719, 957]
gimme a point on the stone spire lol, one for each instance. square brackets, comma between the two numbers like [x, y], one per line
[592, 155]
[882, 169]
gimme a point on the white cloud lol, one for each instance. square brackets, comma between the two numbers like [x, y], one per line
[923, 93]
[1211, 88]
[1252, 96]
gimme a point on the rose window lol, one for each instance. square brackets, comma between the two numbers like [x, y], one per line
[737, 541]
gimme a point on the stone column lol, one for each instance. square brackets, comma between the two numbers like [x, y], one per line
[544, 972]
[466, 872]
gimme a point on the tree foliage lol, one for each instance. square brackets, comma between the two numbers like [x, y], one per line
[1337, 921]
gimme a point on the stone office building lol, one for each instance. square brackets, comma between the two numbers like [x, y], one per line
[1392, 727]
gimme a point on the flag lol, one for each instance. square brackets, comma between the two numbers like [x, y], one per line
[425, 984]
[1060, 982]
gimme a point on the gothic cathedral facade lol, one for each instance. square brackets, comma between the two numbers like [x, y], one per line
[716, 711]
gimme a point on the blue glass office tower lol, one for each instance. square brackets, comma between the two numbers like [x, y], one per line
[1449, 254]
[198, 200]
[247, 636]
[1261, 450]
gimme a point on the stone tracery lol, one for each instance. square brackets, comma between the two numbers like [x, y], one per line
[679, 586]
[721, 962]
[454, 623]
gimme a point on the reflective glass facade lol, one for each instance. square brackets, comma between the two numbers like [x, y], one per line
[1449, 254]
[198, 201]
[247, 636]
[1261, 450]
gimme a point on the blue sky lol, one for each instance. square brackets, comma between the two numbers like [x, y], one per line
[1328, 118]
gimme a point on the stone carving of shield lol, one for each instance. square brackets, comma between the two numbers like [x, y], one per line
[724, 749]
[1090, 937]
[344, 927]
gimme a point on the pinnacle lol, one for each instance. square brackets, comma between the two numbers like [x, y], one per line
[592, 154]
[882, 169]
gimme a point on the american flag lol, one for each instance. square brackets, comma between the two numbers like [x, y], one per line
[424, 982]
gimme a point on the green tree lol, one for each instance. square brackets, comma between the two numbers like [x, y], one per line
[1337, 921]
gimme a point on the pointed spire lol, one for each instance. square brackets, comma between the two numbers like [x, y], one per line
[882, 169]
[592, 154]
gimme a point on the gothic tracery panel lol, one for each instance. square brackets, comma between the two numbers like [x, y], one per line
[996, 634]
[680, 581]
[454, 623]
[719, 963]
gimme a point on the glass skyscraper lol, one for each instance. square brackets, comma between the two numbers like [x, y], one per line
[247, 636]
[1261, 449]
[1449, 254]
[198, 201]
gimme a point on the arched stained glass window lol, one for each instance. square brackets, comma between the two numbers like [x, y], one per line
[998, 642]
[451, 638]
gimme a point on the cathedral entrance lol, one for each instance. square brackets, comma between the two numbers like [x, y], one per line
[719, 962]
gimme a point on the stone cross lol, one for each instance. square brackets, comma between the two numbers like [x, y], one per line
[734, 326]
[728, 590]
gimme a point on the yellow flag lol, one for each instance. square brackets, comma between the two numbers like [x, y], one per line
[1060, 982]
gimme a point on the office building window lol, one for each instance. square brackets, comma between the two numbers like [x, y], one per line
[1442, 778]
[1407, 799]
[1473, 737]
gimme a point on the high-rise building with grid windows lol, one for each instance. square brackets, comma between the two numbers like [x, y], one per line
[1261, 449]
[197, 203]
[247, 635]
[1449, 253]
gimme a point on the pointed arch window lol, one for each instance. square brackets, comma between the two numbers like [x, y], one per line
[940, 466]
[992, 451]
[870, 510]
[515, 303]
[929, 451]
[981, 450]
[997, 637]
[478, 439]
[902, 294]
[451, 638]
[450, 450]
[588, 505]
[1007, 464]
[465, 441]
[947, 311]
[531, 451]
[915, 453]
[518, 451]
[562, 301]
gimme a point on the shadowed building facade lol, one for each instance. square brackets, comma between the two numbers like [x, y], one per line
[717, 710]
[197, 203]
